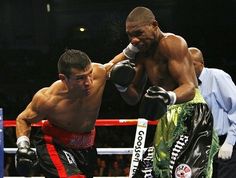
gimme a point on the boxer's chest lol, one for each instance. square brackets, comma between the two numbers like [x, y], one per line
[158, 72]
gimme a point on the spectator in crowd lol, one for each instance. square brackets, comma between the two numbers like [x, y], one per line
[102, 169]
[115, 170]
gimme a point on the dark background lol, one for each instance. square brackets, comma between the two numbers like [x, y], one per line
[32, 39]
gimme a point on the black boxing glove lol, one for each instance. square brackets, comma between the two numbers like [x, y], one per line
[154, 103]
[25, 158]
[122, 74]
[130, 51]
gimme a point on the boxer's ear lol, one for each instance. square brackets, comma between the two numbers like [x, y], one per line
[62, 77]
[155, 23]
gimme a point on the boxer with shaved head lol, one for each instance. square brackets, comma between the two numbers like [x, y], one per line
[184, 143]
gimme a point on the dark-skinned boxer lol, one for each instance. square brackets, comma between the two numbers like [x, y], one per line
[184, 143]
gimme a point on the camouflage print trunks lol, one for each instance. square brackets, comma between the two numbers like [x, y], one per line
[184, 143]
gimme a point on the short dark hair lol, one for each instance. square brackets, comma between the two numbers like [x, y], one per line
[72, 58]
[141, 14]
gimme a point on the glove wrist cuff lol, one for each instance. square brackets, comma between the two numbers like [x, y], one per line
[121, 88]
[130, 51]
[173, 97]
[23, 141]
[132, 48]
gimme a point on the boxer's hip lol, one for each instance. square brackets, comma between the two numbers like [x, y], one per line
[69, 139]
[184, 129]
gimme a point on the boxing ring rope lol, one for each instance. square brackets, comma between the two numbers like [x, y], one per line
[139, 142]
[99, 122]
[101, 151]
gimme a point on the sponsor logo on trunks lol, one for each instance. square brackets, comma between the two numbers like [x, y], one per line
[183, 171]
[70, 158]
[81, 141]
[148, 163]
[179, 145]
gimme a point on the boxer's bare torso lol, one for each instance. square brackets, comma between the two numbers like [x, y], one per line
[73, 109]
[164, 68]
[165, 58]
[72, 113]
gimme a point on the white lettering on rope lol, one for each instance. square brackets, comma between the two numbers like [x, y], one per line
[139, 143]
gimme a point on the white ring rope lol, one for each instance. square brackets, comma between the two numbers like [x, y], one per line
[101, 151]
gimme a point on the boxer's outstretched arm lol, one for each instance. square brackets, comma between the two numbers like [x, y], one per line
[128, 53]
[26, 158]
[120, 57]
[31, 114]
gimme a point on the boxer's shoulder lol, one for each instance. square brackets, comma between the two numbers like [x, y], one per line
[99, 70]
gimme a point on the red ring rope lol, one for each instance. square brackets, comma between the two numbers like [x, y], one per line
[99, 122]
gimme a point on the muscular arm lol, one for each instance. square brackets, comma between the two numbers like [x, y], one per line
[180, 67]
[32, 114]
[108, 66]
[128, 53]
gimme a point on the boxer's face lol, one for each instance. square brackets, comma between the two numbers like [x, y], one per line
[141, 34]
[81, 80]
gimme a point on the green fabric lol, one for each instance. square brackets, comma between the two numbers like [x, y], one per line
[169, 128]
[214, 149]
